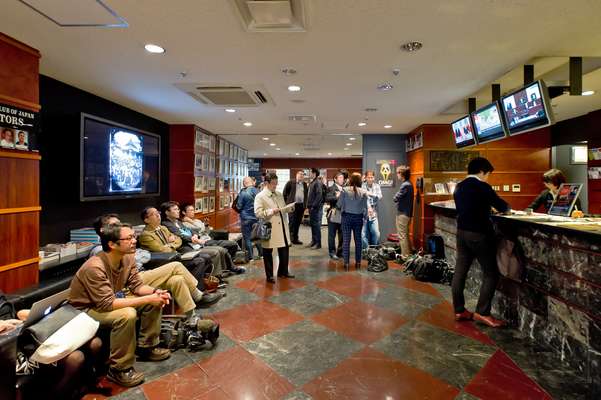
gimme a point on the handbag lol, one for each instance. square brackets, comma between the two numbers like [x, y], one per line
[47, 326]
[335, 216]
[261, 230]
[211, 283]
[510, 259]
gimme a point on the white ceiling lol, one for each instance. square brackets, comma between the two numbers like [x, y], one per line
[350, 46]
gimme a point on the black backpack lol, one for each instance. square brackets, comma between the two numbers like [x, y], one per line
[435, 246]
[7, 309]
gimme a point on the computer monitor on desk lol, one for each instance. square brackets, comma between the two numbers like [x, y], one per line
[567, 195]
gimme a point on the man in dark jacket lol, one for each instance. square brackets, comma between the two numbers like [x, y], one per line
[334, 217]
[296, 191]
[315, 205]
[246, 204]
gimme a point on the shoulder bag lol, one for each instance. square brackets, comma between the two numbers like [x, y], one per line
[261, 230]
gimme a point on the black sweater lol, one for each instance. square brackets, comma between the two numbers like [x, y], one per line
[545, 199]
[473, 201]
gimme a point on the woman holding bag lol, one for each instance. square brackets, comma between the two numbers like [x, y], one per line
[270, 206]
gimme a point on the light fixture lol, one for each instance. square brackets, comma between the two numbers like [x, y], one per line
[297, 154]
[362, 123]
[265, 138]
[588, 93]
[385, 87]
[248, 124]
[153, 48]
[411, 46]
[349, 144]
[230, 110]
[278, 149]
[371, 109]
[329, 154]
[272, 144]
[352, 138]
[264, 154]
[294, 88]
[288, 71]
[387, 126]
[346, 148]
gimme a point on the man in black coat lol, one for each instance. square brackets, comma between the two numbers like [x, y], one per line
[296, 191]
[315, 205]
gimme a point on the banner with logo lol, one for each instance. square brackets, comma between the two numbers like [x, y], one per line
[386, 170]
[18, 127]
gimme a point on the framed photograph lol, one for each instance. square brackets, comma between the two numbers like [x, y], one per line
[205, 205]
[198, 205]
[221, 202]
[198, 161]
[198, 183]
[7, 140]
[220, 185]
[205, 184]
[212, 140]
[211, 204]
[226, 153]
[211, 163]
[198, 138]
[231, 150]
[211, 183]
[21, 140]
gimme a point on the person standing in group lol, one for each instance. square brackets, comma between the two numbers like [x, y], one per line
[474, 198]
[270, 206]
[353, 206]
[334, 217]
[246, 205]
[296, 192]
[404, 202]
[370, 234]
[315, 205]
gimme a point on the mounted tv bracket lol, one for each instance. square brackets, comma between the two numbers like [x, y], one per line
[575, 87]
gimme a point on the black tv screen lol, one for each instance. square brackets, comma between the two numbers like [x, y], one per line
[118, 161]
[527, 108]
[463, 132]
[488, 123]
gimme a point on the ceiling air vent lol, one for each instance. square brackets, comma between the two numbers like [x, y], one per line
[302, 118]
[227, 95]
[272, 15]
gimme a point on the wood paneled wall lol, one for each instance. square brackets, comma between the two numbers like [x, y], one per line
[20, 174]
[520, 159]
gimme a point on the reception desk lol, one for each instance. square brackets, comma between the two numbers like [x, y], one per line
[558, 301]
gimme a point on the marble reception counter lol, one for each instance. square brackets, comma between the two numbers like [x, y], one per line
[558, 301]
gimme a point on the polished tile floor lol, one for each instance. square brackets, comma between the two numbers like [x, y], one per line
[332, 334]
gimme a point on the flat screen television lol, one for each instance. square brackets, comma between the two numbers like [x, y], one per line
[118, 161]
[463, 132]
[488, 123]
[527, 108]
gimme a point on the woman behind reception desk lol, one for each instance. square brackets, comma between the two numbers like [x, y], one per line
[552, 179]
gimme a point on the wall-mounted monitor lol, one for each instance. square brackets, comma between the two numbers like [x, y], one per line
[527, 108]
[118, 161]
[488, 123]
[463, 132]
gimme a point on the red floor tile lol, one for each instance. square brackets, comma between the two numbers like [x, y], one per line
[352, 285]
[369, 374]
[502, 379]
[243, 376]
[395, 265]
[214, 394]
[263, 289]
[105, 389]
[360, 321]
[250, 321]
[410, 283]
[443, 316]
[187, 383]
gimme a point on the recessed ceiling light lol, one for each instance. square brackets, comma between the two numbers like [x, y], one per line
[588, 93]
[248, 124]
[288, 71]
[297, 154]
[346, 148]
[362, 124]
[265, 138]
[411, 46]
[278, 149]
[294, 88]
[329, 154]
[352, 138]
[272, 144]
[153, 48]
[230, 110]
[264, 154]
[384, 87]
[387, 126]
[349, 144]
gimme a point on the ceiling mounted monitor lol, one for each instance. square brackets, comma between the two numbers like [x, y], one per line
[488, 123]
[527, 108]
[463, 132]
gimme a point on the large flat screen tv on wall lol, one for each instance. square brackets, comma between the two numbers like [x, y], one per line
[463, 132]
[118, 161]
[488, 123]
[527, 108]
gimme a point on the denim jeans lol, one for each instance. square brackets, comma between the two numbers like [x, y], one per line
[351, 223]
[370, 235]
[247, 226]
[333, 229]
[315, 215]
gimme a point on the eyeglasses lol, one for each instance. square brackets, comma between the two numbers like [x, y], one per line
[127, 239]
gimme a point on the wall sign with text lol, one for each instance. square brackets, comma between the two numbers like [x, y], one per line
[18, 127]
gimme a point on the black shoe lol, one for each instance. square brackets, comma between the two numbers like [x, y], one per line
[270, 280]
[334, 256]
[296, 242]
[315, 247]
[152, 354]
[288, 276]
[128, 378]
[346, 267]
[209, 299]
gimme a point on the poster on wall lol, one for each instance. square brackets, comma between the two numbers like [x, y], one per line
[386, 170]
[18, 127]
[197, 184]
[197, 205]
[211, 204]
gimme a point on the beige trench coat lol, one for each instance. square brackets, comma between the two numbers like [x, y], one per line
[264, 203]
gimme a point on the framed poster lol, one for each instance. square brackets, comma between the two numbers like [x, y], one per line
[198, 205]
[205, 205]
[198, 138]
[211, 183]
[211, 163]
[211, 204]
[198, 161]
[197, 183]
[221, 185]
[226, 153]
[212, 140]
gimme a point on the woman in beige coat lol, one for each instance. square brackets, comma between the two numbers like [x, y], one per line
[270, 206]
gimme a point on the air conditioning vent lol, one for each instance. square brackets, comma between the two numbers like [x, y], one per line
[272, 15]
[220, 95]
[302, 118]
